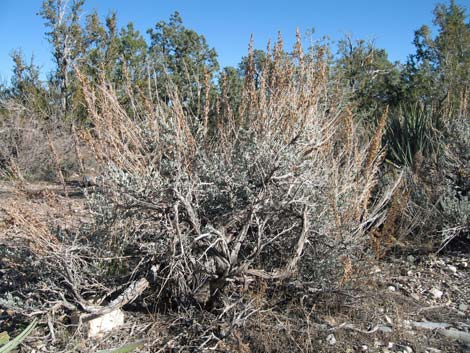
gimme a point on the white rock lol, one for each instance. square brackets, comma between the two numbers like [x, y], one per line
[408, 349]
[97, 327]
[436, 293]
[452, 269]
[456, 335]
[364, 348]
[375, 269]
[433, 350]
[331, 339]
[428, 325]
[385, 329]
[390, 345]
[392, 288]
[378, 344]
[463, 307]
[406, 324]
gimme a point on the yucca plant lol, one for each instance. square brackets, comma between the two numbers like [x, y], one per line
[411, 129]
[7, 346]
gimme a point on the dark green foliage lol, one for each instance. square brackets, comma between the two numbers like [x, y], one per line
[439, 72]
[230, 86]
[373, 80]
[411, 130]
[26, 87]
[25, 76]
[179, 56]
[132, 55]
[260, 59]
[66, 37]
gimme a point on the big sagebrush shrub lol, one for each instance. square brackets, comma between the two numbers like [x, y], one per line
[273, 190]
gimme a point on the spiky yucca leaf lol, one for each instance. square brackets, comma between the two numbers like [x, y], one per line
[11, 345]
[4, 338]
[411, 130]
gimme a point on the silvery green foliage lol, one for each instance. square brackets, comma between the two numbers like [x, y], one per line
[182, 224]
[441, 187]
[11, 302]
[455, 206]
[455, 201]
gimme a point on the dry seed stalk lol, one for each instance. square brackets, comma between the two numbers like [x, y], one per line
[376, 143]
[207, 88]
[384, 237]
[56, 160]
[78, 152]
[374, 158]
[347, 270]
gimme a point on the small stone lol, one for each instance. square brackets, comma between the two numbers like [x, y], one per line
[411, 258]
[408, 350]
[375, 269]
[390, 345]
[385, 329]
[430, 325]
[105, 323]
[406, 324]
[364, 348]
[378, 343]
[331, 339]
[436, 293]
[463, 307]
[392, 288]
[452, 269]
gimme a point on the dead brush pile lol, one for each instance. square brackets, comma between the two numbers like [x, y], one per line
[231, 216]
[36, 145]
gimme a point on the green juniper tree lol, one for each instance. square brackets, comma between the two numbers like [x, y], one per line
[439, 71]
[373, 80]
[25, 80]
[26, 86]
[132, 55]
[181, 56]
[103, 45]
[67, 39]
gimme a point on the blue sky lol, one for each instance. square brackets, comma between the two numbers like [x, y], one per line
[227, 25]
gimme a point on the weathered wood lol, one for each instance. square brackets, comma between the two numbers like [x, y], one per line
[129, 295]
